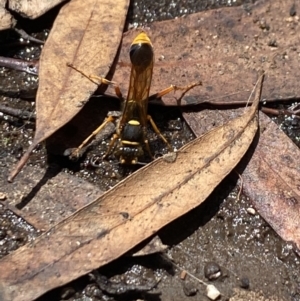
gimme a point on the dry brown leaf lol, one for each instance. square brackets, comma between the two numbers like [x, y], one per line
[86, 34]
[32, 8]
[224, 48]
[272, 173]
[6, 19]
[129, 213]
[272, 181]
[271, 177]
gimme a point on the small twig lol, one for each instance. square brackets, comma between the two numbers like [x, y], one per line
[217, 102]
[31, 67]
[241, 186]
[28, 37]
[22, 114]
[271, 111]
[277, 112]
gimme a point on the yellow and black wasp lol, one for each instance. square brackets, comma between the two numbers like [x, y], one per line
[130, 139]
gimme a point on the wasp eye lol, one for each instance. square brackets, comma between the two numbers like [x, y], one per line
[134, 49]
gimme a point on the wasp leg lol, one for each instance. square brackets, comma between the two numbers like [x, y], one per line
[76, 152]
[146, 142]
[185, 89]
[111, 145]
[99, 80]
[157, 131]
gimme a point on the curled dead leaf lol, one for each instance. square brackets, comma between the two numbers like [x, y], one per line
[79, 36]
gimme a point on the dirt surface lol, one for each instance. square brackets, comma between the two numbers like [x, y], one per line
[224, 234]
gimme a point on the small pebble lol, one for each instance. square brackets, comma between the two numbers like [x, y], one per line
[293, 10]
[244, 283]
[212, 271]
[2, 234]
[97, 293]
[183, 275]
[2, 196]
[189, 289]
[251, 211]
[212, 292]
[92, 290]
[170, 157]
[272, 43]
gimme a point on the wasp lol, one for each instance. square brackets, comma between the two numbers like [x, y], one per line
[130, 138]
